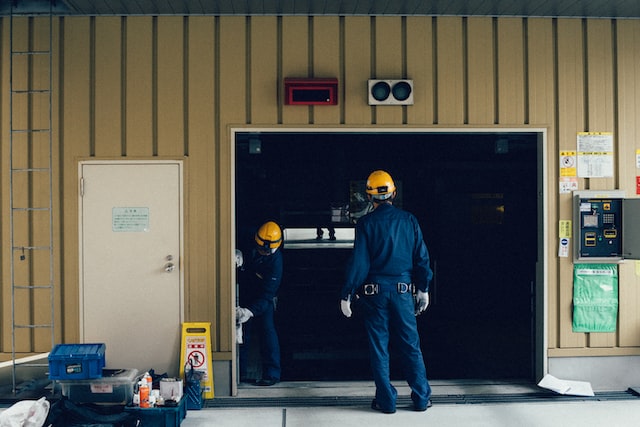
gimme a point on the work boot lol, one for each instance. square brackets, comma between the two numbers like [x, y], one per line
[376, 407]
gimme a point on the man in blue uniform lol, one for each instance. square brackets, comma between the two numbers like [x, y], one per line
[389, 261]
[260, 280]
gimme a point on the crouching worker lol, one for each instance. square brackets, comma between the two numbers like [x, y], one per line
[259, 280]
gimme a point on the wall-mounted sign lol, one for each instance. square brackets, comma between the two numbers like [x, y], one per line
[133, 219]
[567, 163]
[595, 154]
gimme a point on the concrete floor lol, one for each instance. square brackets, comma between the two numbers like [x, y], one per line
[546, 414]
[456, 403]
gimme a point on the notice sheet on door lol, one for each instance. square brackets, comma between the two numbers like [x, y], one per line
[134, 220]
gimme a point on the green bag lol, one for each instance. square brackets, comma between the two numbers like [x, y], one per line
[595, 297]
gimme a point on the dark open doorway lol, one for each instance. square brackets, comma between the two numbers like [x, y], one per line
[476, 197]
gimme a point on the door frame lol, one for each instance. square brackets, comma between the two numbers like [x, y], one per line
[540, 358]
[181, 272]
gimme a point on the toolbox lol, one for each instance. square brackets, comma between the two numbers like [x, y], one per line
[115, 387]
[76, 361]
[160, 416]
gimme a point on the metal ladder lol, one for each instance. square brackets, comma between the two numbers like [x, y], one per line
[31, 182]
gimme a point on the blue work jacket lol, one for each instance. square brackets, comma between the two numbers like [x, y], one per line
[388, 248]
[261, 281]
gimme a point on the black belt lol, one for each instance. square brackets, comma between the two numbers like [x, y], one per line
[369, 289]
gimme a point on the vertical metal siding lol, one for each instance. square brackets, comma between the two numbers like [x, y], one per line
[627, 89]
[172, 87]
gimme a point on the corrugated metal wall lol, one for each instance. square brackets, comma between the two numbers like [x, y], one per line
[144, 87]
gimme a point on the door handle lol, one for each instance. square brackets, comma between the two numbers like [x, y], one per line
[169, 267]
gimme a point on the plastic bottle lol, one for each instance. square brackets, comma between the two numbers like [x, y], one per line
[144, 393]
[149, 380]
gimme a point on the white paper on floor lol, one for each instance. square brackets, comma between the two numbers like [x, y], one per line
[574, 388]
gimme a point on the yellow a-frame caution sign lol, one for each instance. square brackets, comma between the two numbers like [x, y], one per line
[196, 352]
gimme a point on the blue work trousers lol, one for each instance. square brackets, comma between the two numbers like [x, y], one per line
[392, 313]
[265, 327]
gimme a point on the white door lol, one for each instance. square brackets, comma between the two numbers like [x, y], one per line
[131, 292]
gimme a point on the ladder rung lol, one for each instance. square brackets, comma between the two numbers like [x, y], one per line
[44, 325]
[30, 169]
[31, 365]
[33, 287]
[30, 209]
[31, 91]
[30, 52]
[29, 130]
[31, 248]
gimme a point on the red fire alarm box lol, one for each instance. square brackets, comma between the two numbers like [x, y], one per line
[310, 91]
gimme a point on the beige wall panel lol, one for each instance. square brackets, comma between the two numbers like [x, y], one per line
[629, 301]
[480, 71]
[108, 87]
[326, 63]
[600, 75]
[450, 95]
[267, 87]
[21, 41]
[21, 74]
[420, 68]
[232, 71]
[5, 242]
[541, 72]
[214, 102]
[74, 133]
[171, 82]
[139, 86]
[600, 87]
[39, 74]
[295, 63]
[510, 71]
[628, 40]
[357, 64]
[571, 121]
[200, 283]
[541, 113]
[600, 114]
[389, 64]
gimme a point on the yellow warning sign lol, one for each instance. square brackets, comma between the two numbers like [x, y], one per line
[196, 352]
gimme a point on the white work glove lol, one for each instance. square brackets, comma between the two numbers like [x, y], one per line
[239, 336]
[243, 314]
[239, 258]
[345, 306]
[422, 302]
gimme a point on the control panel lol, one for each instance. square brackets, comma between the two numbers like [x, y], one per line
[600, 223]
[602, 227]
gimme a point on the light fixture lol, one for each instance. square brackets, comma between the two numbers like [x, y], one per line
[390, 92]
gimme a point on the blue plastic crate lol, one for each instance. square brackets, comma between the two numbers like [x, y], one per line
[76, 361]
[165, 416]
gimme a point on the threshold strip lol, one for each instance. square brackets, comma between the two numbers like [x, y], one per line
[470, 399]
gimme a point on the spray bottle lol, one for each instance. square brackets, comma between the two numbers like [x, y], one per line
[144, 393]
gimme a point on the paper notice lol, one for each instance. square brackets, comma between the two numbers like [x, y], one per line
[574, 388]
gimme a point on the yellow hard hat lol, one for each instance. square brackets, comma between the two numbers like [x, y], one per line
[269, 236]
[380, 185]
